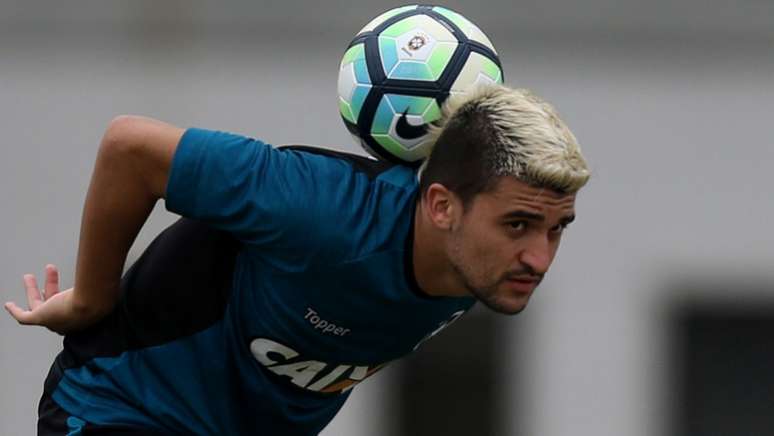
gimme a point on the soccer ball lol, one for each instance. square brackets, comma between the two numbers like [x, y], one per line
[399, 69]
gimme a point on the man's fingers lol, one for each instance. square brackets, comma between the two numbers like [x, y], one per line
[33, 294]
[52, 281]
[19, 314]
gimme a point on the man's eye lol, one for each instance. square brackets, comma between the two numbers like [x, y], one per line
[517, 225]
[559, 227]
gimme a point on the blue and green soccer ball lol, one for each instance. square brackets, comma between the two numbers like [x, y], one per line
[399, 69]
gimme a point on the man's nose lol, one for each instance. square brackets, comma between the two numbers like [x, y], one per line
[537, 255]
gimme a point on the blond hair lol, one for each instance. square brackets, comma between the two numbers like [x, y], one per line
[518, 134]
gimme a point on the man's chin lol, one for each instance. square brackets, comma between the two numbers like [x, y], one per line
[511, 305]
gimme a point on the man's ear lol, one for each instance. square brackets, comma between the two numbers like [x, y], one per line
[442, 205]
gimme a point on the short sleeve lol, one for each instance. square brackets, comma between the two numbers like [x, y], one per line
[261, 194]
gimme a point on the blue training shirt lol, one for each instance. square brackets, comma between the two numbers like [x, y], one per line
[323, 295]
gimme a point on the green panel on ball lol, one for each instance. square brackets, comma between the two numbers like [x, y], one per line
[346, 112]
[390, 144]
[432, 113]
[382, 118]
[401, 27]
[492, 70]
[415, 105]
[455, 18]
[442, 53]
[353, 53]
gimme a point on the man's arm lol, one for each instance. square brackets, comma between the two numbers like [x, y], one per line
[130, 175]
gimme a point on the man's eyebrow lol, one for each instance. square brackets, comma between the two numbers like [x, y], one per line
[525, 215]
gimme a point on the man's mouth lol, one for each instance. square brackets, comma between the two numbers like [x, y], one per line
[522, 284]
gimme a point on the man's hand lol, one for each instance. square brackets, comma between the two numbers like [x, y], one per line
[53, 309]
[130, 174]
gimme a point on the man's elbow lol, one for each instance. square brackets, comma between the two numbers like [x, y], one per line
[145, 144]
[123, 134]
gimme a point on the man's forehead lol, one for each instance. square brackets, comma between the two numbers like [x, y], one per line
[516, 189]
[511, 192]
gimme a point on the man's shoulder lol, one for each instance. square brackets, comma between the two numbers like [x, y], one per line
[357, 205]
[372, 168]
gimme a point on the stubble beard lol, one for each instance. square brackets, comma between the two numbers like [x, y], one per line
[484, 292]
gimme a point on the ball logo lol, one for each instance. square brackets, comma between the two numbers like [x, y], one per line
[408, 131]
[416, 43]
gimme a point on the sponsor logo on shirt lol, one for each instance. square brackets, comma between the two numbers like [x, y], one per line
[315, 375]
[324, 326]
[312, 375]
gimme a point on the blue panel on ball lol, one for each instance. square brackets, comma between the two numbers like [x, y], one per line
[382, 118]
[412, 71]
[415, 105]
[361, 71]
[358, 97]
[389, 54]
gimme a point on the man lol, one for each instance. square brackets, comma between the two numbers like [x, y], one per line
[297, 272]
